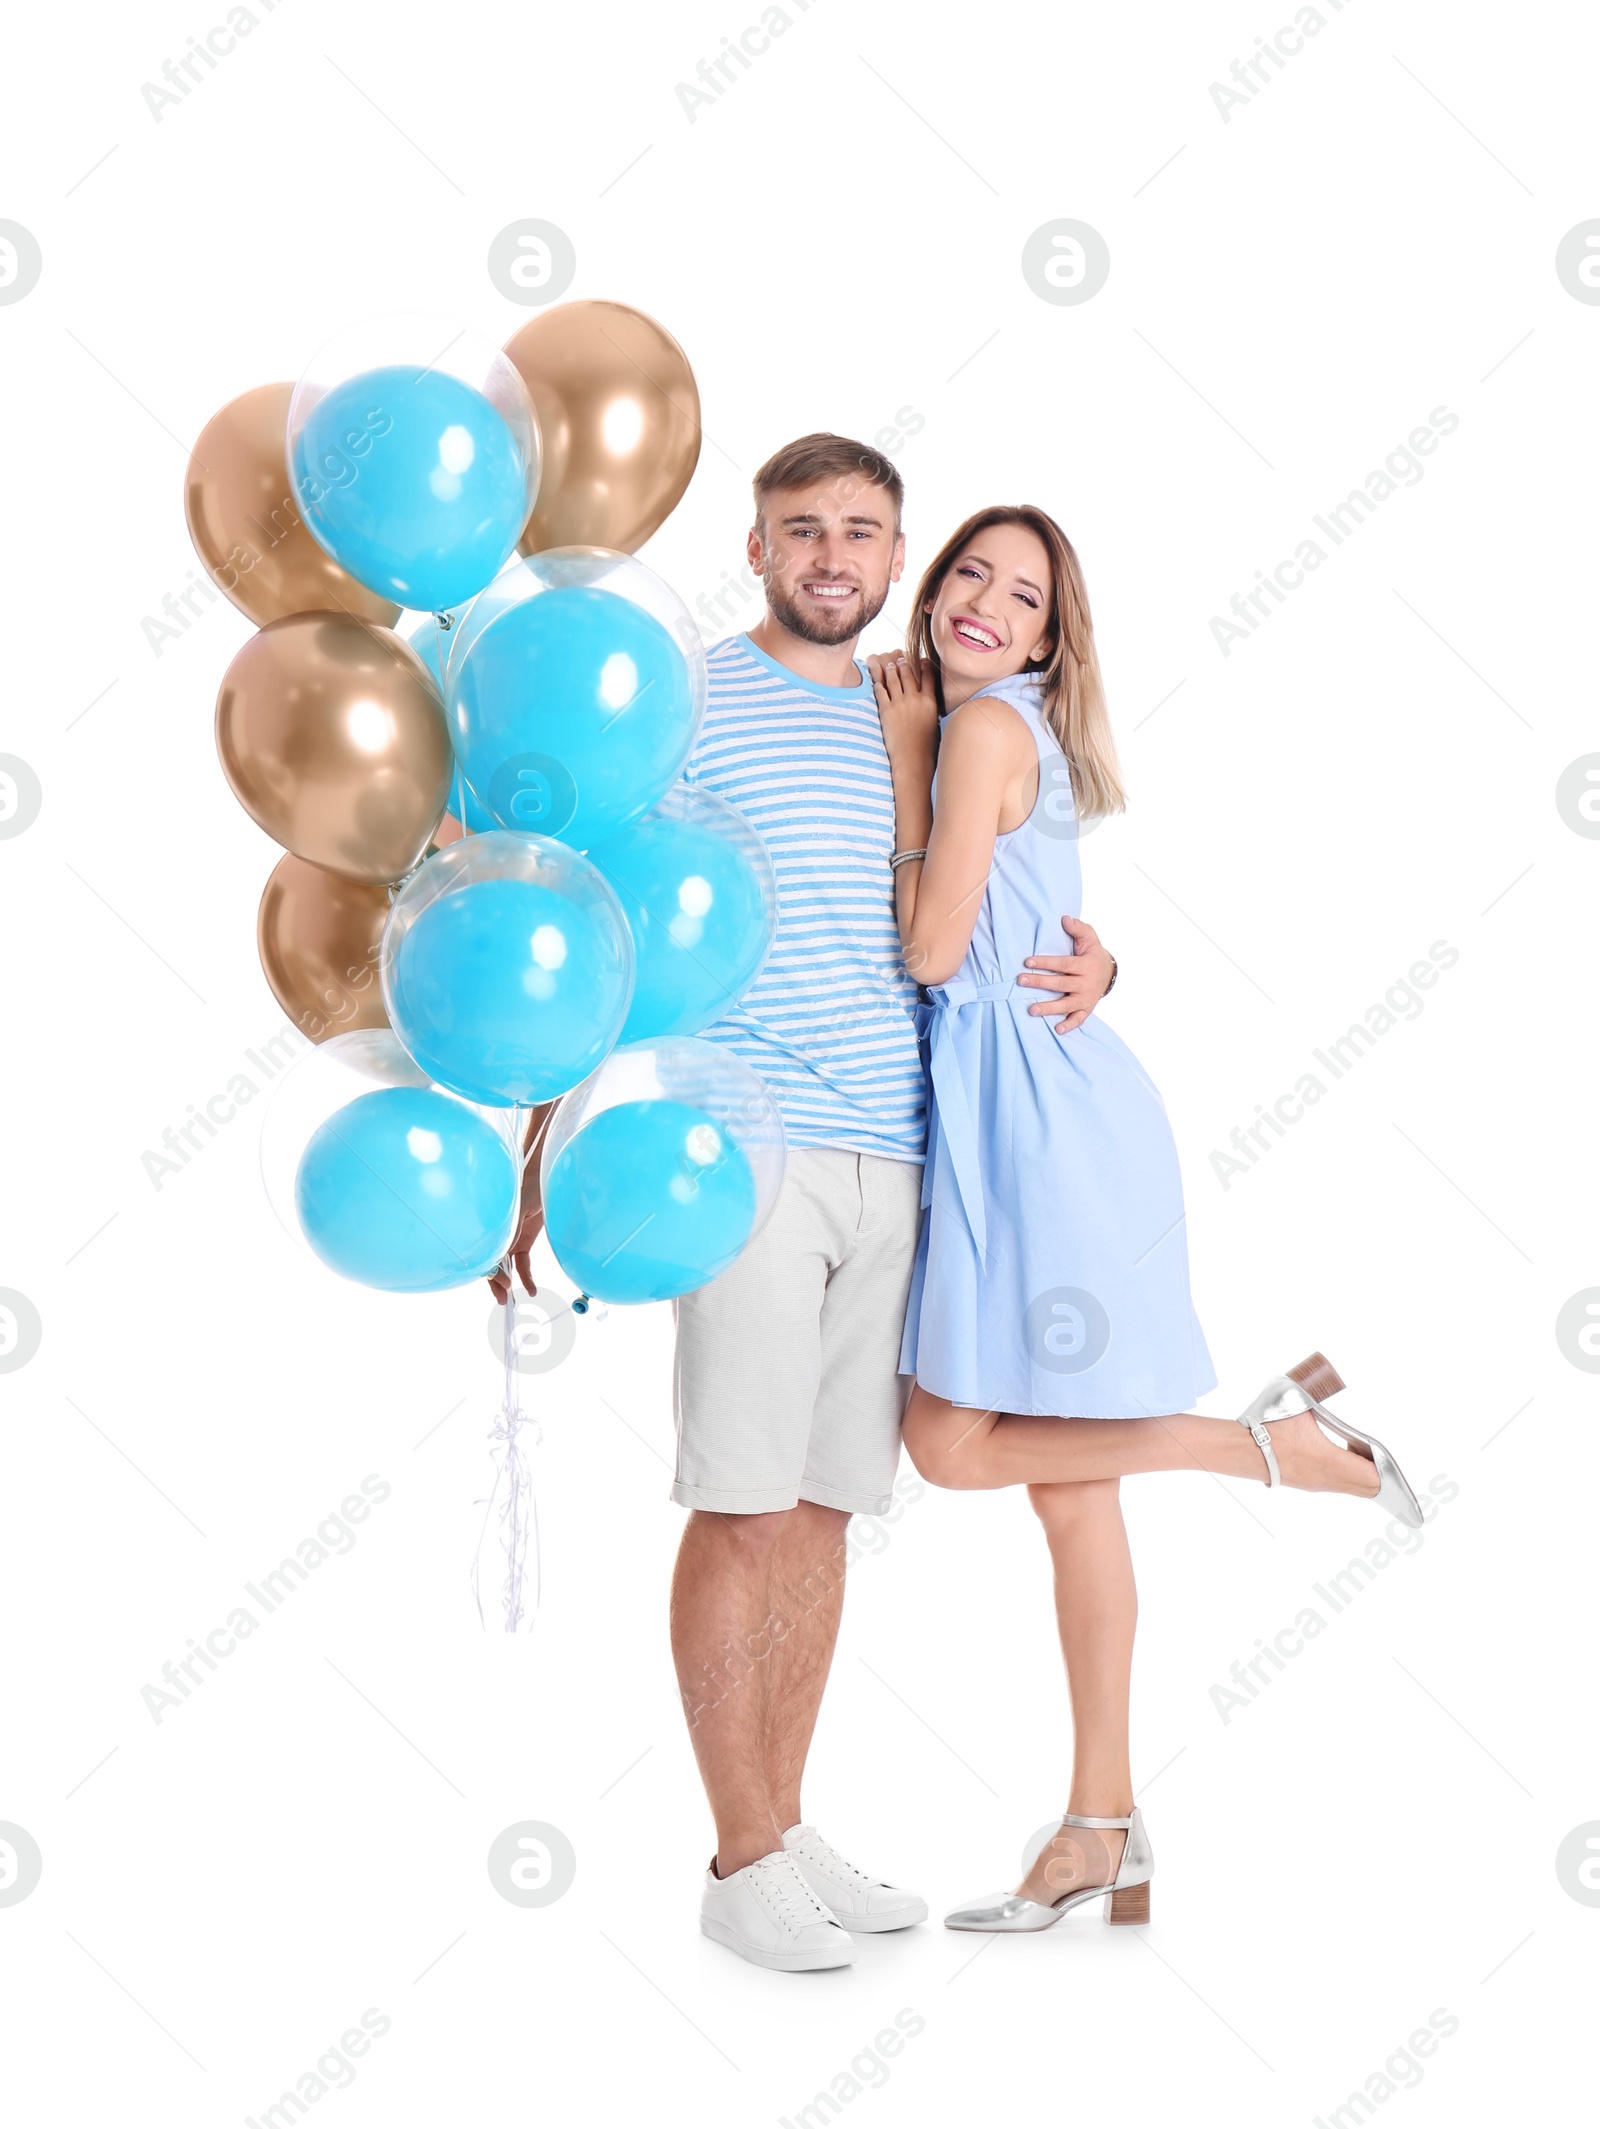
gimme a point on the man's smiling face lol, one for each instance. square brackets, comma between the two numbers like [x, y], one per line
[827, 554]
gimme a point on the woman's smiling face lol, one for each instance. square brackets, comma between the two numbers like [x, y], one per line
[991, 617]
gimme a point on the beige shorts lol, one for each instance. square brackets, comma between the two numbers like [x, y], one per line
[787, 1383]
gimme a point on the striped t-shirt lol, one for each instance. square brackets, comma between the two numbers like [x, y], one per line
[828, 1022]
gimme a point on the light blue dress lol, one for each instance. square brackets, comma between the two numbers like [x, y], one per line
[1052, 1275]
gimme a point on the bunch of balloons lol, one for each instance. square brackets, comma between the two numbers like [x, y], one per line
[496, 894]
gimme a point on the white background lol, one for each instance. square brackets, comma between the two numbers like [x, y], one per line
[837, 238]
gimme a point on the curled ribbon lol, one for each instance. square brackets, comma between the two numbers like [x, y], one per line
[511, 1494]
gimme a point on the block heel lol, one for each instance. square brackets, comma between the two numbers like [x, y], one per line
[1130, 1904]
[1303, 1389]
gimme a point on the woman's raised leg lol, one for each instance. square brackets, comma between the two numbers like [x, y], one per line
[952, 1445]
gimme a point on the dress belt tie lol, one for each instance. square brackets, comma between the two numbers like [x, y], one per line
[955, 1116]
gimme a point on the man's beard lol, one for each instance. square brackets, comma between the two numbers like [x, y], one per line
[823, 628]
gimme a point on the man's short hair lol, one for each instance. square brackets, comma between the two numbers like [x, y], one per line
[824, 456]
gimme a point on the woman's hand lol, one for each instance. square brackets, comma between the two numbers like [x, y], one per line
[908, 708]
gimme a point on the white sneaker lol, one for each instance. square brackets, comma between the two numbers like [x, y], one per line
[863, 1905]
[767, 1913]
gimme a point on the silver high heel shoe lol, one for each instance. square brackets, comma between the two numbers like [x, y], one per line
[1300, 1391]
[1127, 1897]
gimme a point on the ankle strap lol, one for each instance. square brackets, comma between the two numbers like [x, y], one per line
[1263, 1441]
[1076, 1818]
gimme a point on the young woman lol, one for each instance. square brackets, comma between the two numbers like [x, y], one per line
[1050, 1327]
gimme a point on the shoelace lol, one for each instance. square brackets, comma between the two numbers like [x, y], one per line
[816, 1850]
[792, 1900]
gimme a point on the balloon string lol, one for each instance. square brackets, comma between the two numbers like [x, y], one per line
[458, 803]
[512, 1495]
[512, 1492]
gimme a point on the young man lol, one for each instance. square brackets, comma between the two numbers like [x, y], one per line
[786, 1383]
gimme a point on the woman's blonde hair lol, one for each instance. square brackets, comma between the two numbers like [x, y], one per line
[1074, 698]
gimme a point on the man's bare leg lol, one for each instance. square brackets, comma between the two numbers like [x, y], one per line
[755, 1614]
[720, 1612]
[808, 1590]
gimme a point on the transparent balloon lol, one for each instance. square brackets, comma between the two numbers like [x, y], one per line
[696, 883]
[507, 967]
[413, 450]
[575, 688]
[384, 1176]
[660, 1169]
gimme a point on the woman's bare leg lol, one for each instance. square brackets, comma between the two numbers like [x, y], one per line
[951, 1445]
[1096, 1610]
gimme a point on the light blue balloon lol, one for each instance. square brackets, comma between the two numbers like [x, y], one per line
[700, 920]
[506, 991]
[407, 1190]
[648, 1200]
[413, 481]
[571, 713]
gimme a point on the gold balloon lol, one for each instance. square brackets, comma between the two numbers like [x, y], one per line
[319, 935]
[246, 524]
[332, 734]
[619, 421]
